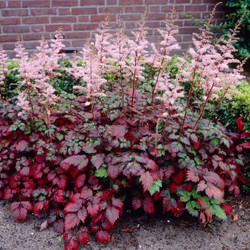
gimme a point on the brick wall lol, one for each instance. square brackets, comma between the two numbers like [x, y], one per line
[80, 18]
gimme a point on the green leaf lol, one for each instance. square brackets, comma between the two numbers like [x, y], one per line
[155, 187]
[59, 136]
[218, 211]
[101, 172]
[190, 206]
[185, 195]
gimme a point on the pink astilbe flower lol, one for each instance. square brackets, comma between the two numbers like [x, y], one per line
[23, 103]
[91, 72]
[75, 70]
[3, 65]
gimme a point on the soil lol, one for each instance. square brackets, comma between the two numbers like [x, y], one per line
[139, 231]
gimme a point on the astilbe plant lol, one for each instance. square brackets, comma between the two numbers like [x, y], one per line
[122, 136]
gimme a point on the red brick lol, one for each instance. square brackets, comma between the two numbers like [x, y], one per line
[37, 3]
[54, 27]
[10, 21]
[16, 29]
[196, 1]
[78, 44]
[154, 8]
[30, 37]
[30, 44]
[153, 24]
[188, 30]
[99, 18]
[156, 16]
[130, 2]
[157, 1]
[182, 1]
[63, 19]
[92, 2]
[115, 10]
[131, 25]
[178, 8]
[75, 35]
[35, 20]
[195, 8]
[37, 28]
[130, 17]
[15, 12]
[187, 38]
[8, 38]
[78, 11]
[42, 12]
[111, 2]
[87, 26]
[134, 9]
[8, 46]
[14, 4]
[64, 11]
[83, 18]
[56, 3]
[2, 5]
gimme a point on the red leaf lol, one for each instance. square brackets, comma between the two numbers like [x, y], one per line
[27, 205]
[148, 205]
[107, 225]
[113, 170]
[44, 225]
[245, 145]
[173, 187]
[112, 214]
[92, 208]
[37, 207]
[193, 175]
[136, 202]
[71, 220]
[20, 214]
[58, 226]
[151, 164]
[178, 178]
[97, 160]
[215, 179]
[82, 214]
[22, 146]
[239, 124]
[201, 202]
[72, 244]
[118, 130]
[168, 204]
[58, 197]
[244, 135]
[117, 203]
[79, 161]
[227, 208]
[14, 205]
[201, 186]
[169, 170]
[83, 236]
[212, 190]
[102, 236]
[72, 207]
[146, 180]
[80, 180]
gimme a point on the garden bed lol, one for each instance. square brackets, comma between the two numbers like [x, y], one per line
[139, 231]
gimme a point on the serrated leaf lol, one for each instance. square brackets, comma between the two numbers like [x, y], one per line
[218, 211]
[118, 131]
[147, 180]
[79, 161]
[20, 214]
[227, 208]
[101, 172]
[168, 204]
[71, 220]
[97, 160]
[155, 187]
[112, 214]
[212, 190]
[80, 180]
[185, 196]
[82, 214]
[72, 207]
[190, 206]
